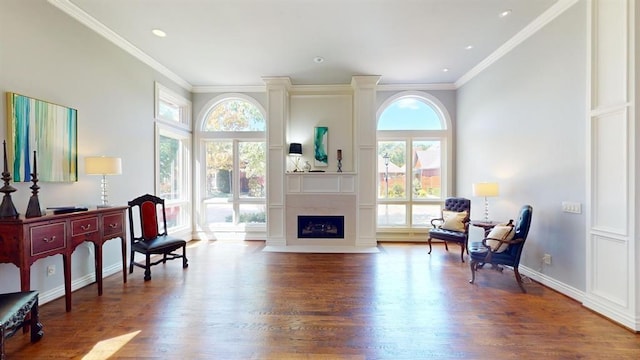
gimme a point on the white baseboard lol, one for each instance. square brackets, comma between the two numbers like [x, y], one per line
[552, 283]
[76, 284]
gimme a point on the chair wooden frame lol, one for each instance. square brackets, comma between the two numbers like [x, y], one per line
[18, 311]
[152, 238]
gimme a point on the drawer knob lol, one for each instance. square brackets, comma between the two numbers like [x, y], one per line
[47, 240]
[85, 227]
[113, 226]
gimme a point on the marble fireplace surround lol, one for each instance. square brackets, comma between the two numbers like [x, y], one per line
[321, 194]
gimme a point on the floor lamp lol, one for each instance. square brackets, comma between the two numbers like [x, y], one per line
[485, 190]
[103, 165]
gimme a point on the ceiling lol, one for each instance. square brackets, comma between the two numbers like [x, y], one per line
[238, 42]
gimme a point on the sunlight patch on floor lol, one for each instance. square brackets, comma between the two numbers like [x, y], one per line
[105, 348]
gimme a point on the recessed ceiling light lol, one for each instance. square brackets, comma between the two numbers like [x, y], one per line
[445, 70]
[505, 13]
[468, 47]
[318, 59]
[159, 33]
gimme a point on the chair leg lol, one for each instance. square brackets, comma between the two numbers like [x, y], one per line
[446, 247]
[185, 262]
[36, 326]
[147, 268]
[519, 279]
[131, 262]
[462, 251]
[474, 266]
[429, 241]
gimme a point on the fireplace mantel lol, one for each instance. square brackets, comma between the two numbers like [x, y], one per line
[321, 194]
[321, 183]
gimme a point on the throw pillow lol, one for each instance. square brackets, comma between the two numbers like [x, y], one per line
[453, 220]
[500, 232]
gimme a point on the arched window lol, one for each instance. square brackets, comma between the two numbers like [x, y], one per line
[233, 157]
[413, 156]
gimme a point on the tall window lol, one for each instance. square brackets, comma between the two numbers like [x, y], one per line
[173, 156]
[412, 161]
[233, 147]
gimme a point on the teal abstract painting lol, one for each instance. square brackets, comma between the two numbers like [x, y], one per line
[46, 128]
[320, 140]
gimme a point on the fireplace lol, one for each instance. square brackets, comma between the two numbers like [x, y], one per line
[320, 227]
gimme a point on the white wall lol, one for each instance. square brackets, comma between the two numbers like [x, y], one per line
[47, 55]
[521, 123]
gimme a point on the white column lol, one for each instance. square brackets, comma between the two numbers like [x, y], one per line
[364, 127]
[612, 245]
[277, 119]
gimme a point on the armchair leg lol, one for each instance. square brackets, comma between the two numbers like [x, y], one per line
[474, 266]
[429, 241]
[462, 247]
[519, 279]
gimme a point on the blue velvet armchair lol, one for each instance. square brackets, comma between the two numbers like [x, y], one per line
[453, 226]
[482, 253]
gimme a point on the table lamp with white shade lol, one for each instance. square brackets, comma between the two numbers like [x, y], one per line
[103, 165]
[485, 189]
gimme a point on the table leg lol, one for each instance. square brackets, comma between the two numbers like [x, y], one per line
[66, 264]
[98, 253]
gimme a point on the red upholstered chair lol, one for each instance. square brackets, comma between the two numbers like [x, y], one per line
[149, 234]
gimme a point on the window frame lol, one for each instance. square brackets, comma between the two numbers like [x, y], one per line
[182, 132]
[443, 135]
[202, 137]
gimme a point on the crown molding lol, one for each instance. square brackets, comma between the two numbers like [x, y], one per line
[416, 87]
[229, 89]
[75, 12]
[545, 18]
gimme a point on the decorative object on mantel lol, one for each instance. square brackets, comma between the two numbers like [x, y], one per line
[339, 160]
[7, 209]
[33, 209]
[47, 127]
[307, 166]
[103, 165]
[320, 142]
[295, 151]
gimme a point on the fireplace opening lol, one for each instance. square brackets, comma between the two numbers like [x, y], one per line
[320, 227]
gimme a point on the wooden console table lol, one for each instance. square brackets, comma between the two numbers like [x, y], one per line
[25, 240]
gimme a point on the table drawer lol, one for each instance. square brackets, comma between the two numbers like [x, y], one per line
[47, 238]
[113, 224]
[84, 226]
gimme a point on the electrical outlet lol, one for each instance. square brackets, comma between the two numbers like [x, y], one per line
[51, 269]
[546, 259]
[572, 207]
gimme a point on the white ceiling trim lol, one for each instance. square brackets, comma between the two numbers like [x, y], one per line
[545, 18]
[93, 24]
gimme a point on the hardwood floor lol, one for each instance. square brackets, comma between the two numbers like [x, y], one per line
[238, 302]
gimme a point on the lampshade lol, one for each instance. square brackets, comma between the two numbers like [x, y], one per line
[295, 149]
[102, 165]
[485, 189]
